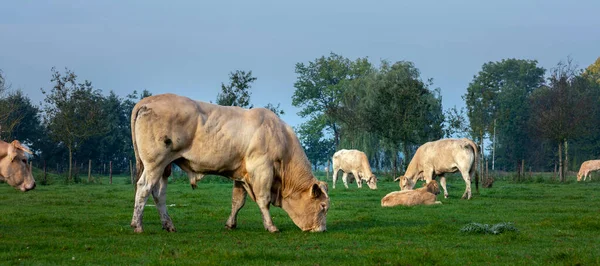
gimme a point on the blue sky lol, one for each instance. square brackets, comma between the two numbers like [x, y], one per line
[189, 47]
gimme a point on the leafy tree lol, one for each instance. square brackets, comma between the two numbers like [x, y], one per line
[275, 109]
[73, 112]
[592, 72]
[25, 120]
[401, 109]
[561, 110]
[237, 92]
[456, 123]
[318, 148]
[320, 86]
[9, 118]
[501, 92]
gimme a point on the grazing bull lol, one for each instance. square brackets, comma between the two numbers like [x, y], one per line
[355, 162]
[436, 158]
[586, 168]
[13, 166]
[421, 196]
[253, 147]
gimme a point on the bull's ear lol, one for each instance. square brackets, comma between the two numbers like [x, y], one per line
[324, 186]
[12, 151]
[17, 145]
[316, 191]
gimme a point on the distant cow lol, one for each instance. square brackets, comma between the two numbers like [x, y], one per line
[436, 158]
[253, 147]
[355, 162]
[586, 168]
[421, 196]
[13, 166]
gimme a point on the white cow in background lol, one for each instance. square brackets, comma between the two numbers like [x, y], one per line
[436, 158]
[356, 163]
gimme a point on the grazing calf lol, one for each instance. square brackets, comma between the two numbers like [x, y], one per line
[586, 168]
[356, 163]
[421, 196]
[436, 158]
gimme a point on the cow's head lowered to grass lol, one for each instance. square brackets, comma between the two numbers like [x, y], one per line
[308, 210]
[13, 166]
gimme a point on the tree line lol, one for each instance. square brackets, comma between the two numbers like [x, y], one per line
[516, 113]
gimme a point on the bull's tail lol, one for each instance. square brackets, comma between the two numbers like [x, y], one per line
[475, 166]
[139, 165]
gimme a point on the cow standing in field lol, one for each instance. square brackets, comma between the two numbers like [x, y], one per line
[420, 196]
[355, 162]
[253, 147]
[586, 168]
[13, 166]
[436, 158]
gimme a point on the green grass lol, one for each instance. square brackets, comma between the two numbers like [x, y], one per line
[88, 224]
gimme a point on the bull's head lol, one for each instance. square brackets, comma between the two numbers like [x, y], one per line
[372, 182]
[14, 168]
[308, 209]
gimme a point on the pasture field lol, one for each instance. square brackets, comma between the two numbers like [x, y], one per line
[88, 224]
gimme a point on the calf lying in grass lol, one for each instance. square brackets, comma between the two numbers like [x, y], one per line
[425, 195]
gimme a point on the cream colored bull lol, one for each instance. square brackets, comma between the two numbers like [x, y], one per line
[436, 158]
[253, 147]
[586, 168]
[425, 195]
[355, 162]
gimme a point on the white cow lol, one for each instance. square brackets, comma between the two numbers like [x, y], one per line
[355, 162]
[436, 158]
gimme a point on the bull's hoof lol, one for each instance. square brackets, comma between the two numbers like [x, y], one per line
[138, 230]
[445, 196]
[273, 229]
[230, 226]
[169, 228]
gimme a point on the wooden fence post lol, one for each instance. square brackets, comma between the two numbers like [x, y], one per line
[131, 172]
[110, 171]
[89, 171]
[45, 172]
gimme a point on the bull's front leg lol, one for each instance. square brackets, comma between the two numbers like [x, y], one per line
[238, 199]
[159, 193]
[443, 184]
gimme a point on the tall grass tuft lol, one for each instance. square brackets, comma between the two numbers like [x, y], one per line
[499, 228]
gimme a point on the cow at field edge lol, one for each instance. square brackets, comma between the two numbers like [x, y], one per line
[13, 166]
[436, 158]
[355, 162]
[425, 195]
[253, 147]
[586, 168]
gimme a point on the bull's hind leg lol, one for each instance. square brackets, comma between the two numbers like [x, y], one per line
[238, 199]
[467, 178]
[159, 193]
[345, 179]
[145, 184]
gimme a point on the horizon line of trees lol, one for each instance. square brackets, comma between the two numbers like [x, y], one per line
[513, 111]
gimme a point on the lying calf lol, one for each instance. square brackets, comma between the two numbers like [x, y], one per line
[425, 195]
